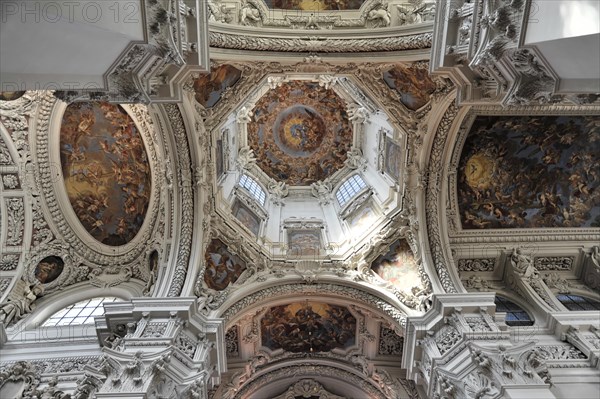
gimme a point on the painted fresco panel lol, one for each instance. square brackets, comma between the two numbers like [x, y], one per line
[530, 172]
[413, 83]
[49, 269]
[246, 217]
[308, 327]
[222, 266]
[399, 267]
[362, 218]
[105, 170]
[315, 5]
[393, 158]
[304, 242]
[300, 133]
[211, 86]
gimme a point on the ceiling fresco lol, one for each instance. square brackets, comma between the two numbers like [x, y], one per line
[300, 133]
[308, 327]
[105, 170]
[413, 83]
[530, 172]
[315, 5]
[399, 267]
[210, 87]
[222, 266]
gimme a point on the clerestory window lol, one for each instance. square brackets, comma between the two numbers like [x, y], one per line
[253, 188]
[349, 189]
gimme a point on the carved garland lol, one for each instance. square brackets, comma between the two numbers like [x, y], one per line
[434, 183]
[187, 200]
[242, 42]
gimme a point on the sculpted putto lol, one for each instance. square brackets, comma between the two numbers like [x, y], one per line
[20, 301]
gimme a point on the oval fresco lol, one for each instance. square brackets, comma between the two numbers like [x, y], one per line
[300, 133]
[49, 269]
[106, 170]
[308, 327]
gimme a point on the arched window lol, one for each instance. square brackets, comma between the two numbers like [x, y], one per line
[576, 302]
[515, 315]
[349, 189]
[79, 313]
[253, 188]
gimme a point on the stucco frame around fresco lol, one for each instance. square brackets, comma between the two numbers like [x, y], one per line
[453, 217]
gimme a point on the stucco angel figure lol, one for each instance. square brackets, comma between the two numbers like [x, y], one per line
[321, 190]
[278, 190]
[249, 15]
[20, 301]
[354, 159]
[379, 17]
[219, 12]
[245, 157]
[523, 264]
[595, 256]
[244, 115]
[357, 114]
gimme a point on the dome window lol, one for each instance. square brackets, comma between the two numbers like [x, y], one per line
[253, 188]
[349, 189]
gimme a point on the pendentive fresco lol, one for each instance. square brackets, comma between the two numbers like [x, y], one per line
[413, 83]
[222, 266]
[210, 87]
[399, 267]
[106, 170]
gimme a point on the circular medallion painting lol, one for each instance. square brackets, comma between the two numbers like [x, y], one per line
[49, 269]
[300, 133]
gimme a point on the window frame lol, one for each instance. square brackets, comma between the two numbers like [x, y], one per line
[92, 307]
[517, 321]
[253, 188]
[345, 186]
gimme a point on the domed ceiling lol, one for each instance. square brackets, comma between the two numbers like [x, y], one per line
[300, 133]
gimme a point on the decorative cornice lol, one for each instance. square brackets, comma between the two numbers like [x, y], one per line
[327, 289]
[318, 44]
